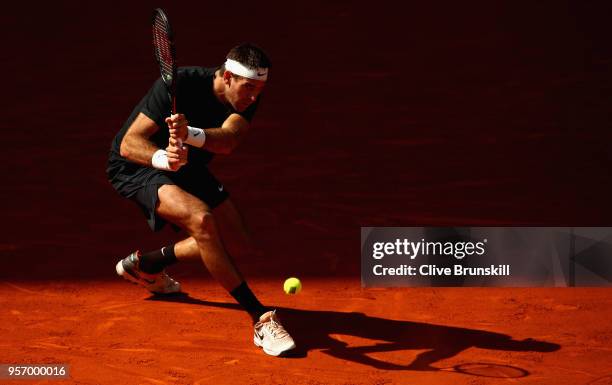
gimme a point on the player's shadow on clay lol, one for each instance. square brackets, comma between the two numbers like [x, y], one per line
[314, 329]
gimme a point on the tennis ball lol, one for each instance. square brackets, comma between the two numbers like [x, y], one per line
[292, 286]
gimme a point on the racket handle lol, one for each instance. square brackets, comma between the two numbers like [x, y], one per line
[173, 112]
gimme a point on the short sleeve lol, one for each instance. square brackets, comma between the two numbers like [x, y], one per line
[157, 105]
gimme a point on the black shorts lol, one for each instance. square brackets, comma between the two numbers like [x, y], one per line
[142, 184]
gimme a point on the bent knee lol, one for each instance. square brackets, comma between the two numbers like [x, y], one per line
[202, 224]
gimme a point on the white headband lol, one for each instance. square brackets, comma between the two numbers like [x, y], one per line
[241, 70]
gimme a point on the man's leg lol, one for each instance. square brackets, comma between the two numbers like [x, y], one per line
[269, 333]
[193, 215]
[235, 236]
[235, 241]
[156, 261]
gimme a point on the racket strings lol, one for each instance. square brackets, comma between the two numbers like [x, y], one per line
[163, 47]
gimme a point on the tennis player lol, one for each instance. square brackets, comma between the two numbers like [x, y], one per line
[160, 163]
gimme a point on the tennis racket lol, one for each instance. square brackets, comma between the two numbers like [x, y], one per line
[165, 54]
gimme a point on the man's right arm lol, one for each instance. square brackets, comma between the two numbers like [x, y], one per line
[137, 147]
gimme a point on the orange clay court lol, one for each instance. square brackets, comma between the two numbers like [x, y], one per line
[345, 335]
[493, 113]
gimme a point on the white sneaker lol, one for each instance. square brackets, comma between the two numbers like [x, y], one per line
[159, 283]
[271, 335]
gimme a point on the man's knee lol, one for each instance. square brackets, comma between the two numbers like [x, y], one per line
[202, 225]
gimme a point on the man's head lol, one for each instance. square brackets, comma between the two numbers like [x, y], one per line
[244, 73]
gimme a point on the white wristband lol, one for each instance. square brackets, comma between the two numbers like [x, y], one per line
[159, 160]
[195, 136]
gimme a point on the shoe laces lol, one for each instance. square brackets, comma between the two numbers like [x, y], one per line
[275, 328]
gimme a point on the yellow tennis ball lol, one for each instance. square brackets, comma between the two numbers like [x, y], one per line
[292, 286]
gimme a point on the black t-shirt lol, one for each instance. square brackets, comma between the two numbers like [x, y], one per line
[195, 99]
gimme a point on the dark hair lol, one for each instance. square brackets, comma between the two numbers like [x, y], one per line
[249, 55]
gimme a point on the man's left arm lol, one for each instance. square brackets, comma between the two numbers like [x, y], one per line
[219, 140]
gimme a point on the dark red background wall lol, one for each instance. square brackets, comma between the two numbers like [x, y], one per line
[376, 114]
